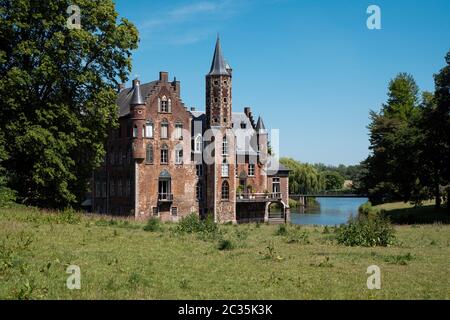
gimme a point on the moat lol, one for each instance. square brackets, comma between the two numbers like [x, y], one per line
[329, 211]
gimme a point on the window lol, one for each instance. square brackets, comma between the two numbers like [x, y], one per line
[179, 155]
[143, 131]
[199, 170]
[164, 129]
[129, 155]
[243, 125]
[225, 146]
[112, 157]
[225, 191]
[216, 82]
[198, 144]
[128, 189]
[216, 100]
[179, 131]
[98, 191]
[198, 191]
[155, 211]
[164, 154]
[165, 105]
[149, 129]
[135, 132]
[225, 100]
[119, 188]
[104, 189]
[112, 188]
[119, 157]
[251, 169]
[225, 169]
[174, 211]
[149, 154]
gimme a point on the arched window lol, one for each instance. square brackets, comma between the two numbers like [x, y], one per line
[135, 132]
[225, 169]
[179, 131]
[149, 129]
[164, 104]
[143, 131]
[199, 191]
[225, 191]
[198, 144]
[179, 154]
[225, 146]
[149, 154]
[164, 154]
[164, 129]
[169, 105]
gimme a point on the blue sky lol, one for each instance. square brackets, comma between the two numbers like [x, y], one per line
[311, 68]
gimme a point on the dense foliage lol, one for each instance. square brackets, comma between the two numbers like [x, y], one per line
[410, 142]
[57, 94]
[366, 232]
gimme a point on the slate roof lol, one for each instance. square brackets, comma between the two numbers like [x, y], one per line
[219, 65]
[125, 97]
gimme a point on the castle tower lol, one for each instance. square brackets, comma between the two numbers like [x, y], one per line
[262, 138]
[221, 179]
[137, 110]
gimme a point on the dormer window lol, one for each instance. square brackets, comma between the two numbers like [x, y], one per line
[243, 125]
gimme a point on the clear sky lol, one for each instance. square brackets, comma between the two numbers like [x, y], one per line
[311, 68]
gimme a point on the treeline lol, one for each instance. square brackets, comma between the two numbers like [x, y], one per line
[410, 143]
[307, 178]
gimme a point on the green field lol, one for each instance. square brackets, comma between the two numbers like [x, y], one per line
[119, 260]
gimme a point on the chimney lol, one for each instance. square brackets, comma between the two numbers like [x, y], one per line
[163, 76]
[248, 111]
[192, 108]
[176, 86]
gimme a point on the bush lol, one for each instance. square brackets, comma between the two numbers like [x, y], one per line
[281, 230]
[366, 232]
[225, 244]
[206, 228]
[153, 225]
[366, 210]
[7, 197]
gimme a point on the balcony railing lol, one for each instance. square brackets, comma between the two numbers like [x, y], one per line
[165, 197]
[258, 196]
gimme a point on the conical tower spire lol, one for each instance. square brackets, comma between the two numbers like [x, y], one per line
[136, 99]
[260, 127]
[219, 65]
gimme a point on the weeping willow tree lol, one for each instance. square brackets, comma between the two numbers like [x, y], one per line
[303, 178]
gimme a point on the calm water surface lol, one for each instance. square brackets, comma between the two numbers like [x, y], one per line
[331, 211]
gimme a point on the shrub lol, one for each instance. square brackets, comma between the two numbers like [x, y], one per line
[153, 225]
[366, 210]
[206, 228]
[366, 232]
[225, 244]
[281, 230]
[298, 236]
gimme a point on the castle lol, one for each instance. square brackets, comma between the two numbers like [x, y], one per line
[167, 161]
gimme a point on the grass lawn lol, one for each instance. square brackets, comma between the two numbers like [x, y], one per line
[118, 259]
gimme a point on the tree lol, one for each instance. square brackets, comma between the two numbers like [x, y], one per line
[333, 180]
[57, 93]
[303, 178]
[435, 125]
[390, 170]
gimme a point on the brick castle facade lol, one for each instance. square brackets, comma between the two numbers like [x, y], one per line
[167, 161]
